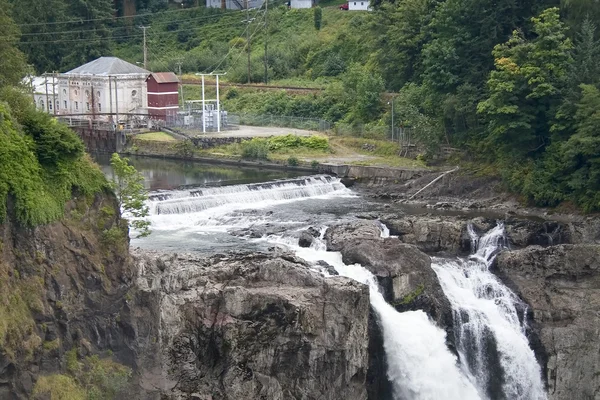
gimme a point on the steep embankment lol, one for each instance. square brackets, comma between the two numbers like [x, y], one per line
[64, 266]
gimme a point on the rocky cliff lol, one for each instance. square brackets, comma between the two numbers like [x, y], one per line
[256, 326]
[562, 286]
[63, 288]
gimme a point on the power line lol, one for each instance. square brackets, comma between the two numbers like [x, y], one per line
[138, 35]
[78, 21]
[195, 19]
[239, 55]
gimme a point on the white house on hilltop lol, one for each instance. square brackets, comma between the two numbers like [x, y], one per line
[107, 85]
[362, 5]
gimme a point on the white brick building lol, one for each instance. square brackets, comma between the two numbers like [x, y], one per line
[105, 86]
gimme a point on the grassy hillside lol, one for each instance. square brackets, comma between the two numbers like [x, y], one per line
[208, 39]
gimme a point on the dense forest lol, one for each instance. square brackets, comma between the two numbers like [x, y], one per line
[514, 84]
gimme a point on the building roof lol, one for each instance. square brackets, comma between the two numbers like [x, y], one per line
[107, 66]
[165, 77]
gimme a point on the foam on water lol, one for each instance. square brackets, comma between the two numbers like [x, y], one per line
[420, 366]
[490, 335]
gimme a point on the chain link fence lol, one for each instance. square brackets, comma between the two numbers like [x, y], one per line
[310, 124]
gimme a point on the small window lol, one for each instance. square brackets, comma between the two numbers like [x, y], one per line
[42, 104]
[65, 92]
[65, 103]
[133, 93]
[362, 3]
[57, 104]
[87, 105]
[77, 105]
[99, 107]
[76, 92]
[98, 94]
[50, 104]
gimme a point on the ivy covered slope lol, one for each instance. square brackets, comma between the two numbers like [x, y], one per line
[65, 274]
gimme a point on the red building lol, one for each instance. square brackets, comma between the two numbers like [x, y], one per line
[163, 95]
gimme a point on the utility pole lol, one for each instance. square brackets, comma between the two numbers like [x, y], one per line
[392, 102]
[179, 62]
[145, 51]
[54, 92]
[46, 84]
[248, 35]
[266, 40]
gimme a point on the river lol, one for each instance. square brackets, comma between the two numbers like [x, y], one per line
[207, 208]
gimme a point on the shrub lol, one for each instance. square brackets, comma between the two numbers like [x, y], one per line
[293, 161]
[314, 164]
[255, 149]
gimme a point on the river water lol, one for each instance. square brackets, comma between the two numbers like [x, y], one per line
[206, 208]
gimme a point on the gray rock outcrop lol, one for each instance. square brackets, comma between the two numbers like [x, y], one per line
[562, 286]
[404, 273]
[258, 327]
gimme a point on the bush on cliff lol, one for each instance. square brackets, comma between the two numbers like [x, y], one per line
[41, 164]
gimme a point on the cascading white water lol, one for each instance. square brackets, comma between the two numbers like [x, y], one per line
[420, 366]
[490, 337]
[189, 201]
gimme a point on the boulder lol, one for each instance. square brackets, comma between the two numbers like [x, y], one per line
[405, 275]
[308, 236]
[562, 286]
[403, 272]
[257, 326]
[338, 236]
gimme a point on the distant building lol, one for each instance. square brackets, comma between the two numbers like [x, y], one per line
[302, 3]
[103, 87]
[234, 4]
[45, 96]
[163, 91]
[358, 5]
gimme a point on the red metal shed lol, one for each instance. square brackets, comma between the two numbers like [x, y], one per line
[163, 95]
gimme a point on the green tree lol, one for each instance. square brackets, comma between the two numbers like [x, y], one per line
[318, 17]
[128, 184]
[525, 88]
[585, 69]
[363, 89]
[581, 152]
[12, 61]
[401, 33]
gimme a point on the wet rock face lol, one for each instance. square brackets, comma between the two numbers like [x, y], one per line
[75, 286]
[404, 272]
[431, 234]
[259, 327]
[562, 286]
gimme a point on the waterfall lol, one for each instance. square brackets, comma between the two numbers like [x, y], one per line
[489, 332]
[420, 366]
[190, 201]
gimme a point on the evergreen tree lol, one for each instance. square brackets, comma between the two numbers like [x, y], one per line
[525, 88]
[12, 61]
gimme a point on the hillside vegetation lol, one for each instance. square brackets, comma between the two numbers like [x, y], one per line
[514, 85]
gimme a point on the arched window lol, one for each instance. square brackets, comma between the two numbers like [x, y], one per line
[98, 94]
[42, 104]
[76, 92]
[87, 94]
[65, 92]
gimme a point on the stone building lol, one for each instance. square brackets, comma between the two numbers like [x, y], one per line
[107, 89]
